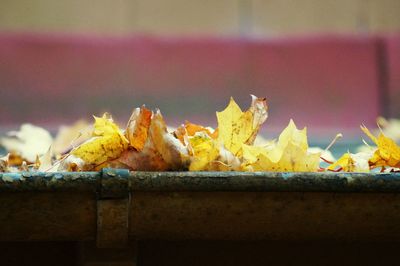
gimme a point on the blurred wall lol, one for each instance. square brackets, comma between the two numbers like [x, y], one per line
[228, 17]
[52, 78]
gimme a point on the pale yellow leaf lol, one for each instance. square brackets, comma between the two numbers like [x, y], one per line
[292, 134]
[107, 143]
[30, 141]
[70, 136]
[45, 161]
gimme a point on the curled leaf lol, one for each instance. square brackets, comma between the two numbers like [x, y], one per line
[138, 127]
[161, 150]
[173, 152]
[146, 160]
[190, 129]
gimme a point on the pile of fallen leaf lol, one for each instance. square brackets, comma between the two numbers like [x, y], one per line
[146, 144]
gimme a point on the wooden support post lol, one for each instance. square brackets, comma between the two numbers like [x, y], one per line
[113, 206]
[112, 223]
[112, 246]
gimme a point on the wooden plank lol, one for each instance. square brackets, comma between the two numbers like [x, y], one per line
[268, 216]
[112, 223]
[261, 253]
[47, 216]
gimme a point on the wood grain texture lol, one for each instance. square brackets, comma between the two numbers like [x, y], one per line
[47, 216]
[291, 216]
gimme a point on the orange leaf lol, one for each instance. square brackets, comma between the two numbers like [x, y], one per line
[190, 129]
[138, 127]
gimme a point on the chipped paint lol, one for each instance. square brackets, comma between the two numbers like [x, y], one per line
[40, 181]
[8, 179]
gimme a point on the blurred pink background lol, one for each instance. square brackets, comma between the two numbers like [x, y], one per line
[330, 72]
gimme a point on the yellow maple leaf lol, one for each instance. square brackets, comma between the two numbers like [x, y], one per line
[388, 152]
[345, 162]
[349, 162]
[294, 135]
[107, 143]
[290, 153]
[236, 128]
[251, 156]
